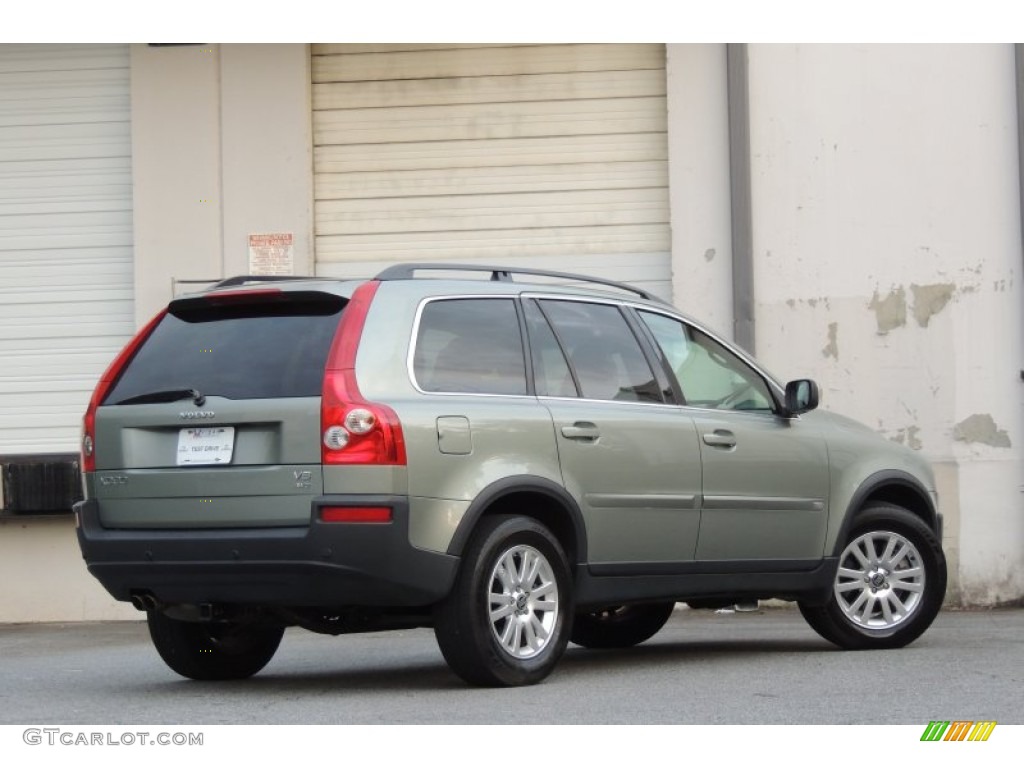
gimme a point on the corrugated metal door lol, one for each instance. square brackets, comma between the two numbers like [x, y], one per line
[551, 156]
[65, 235]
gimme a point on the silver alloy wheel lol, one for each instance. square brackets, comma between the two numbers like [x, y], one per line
[523, 601]
[881, 580]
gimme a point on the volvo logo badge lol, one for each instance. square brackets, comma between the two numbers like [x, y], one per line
[197, 414]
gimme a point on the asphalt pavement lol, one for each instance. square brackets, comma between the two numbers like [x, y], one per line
[763, 667]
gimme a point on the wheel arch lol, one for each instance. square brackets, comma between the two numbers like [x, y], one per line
[893, 487]
[530, 496]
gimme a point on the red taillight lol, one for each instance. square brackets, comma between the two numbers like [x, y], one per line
[356, 514]
[106, 381]
[354, 430]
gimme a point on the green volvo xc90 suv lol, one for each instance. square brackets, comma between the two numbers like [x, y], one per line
[515, 464]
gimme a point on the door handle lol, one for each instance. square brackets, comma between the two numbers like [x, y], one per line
[720, 438]
[582, 430]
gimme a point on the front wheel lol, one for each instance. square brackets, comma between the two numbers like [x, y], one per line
[506, 620]
[213, 651]
[889, 585]
[620, 626]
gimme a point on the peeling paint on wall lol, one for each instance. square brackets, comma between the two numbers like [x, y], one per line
[910, 411]
[890, 312]
[997, 583]
[709, 254]
[981, 428]
[908, 437]
[812, 302]
[929, 300]
[832, 348]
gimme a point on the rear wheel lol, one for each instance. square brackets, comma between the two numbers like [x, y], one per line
[213, 651]
[889, 584]
[506, 620]
[620, 626]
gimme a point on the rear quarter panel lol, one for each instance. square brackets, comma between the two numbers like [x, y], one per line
[507, 435]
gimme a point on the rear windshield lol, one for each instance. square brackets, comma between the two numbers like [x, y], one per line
[238, 351]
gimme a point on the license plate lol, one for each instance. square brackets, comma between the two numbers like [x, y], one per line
[205, 445]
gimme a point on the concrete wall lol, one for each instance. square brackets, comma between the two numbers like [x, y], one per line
[44, 576]
[222, 149]
[176, 170]
[886, 235]
[267, 150]
[888, 266]
[699, 207]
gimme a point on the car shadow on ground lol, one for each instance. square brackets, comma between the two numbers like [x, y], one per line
[576, 665]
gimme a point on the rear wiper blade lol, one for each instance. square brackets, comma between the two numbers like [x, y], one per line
[165, 396]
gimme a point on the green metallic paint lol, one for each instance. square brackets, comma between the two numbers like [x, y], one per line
[856, 453]
[765, 497]
[648, 490]
[647, 458]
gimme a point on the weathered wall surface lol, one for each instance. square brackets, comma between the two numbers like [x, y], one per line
[176, 170]
[222, 149]
[48, 578]
[698, 154]
[888, 266]
[886, 234]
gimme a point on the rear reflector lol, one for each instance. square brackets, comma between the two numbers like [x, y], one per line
[355, 514]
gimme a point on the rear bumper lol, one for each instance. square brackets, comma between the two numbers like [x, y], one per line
[322, 564]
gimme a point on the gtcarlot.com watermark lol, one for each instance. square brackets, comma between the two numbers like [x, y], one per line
[62, 737]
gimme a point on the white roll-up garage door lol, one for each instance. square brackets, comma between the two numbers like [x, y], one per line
[551, 156]
[65, 235]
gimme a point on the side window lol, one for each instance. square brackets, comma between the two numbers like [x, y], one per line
[470, 345]
[603, 351]
[710, 375]
[551, 373]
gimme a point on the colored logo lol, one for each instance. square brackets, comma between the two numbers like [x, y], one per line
[958, 730]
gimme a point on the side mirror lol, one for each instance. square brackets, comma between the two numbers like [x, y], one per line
[801, 397]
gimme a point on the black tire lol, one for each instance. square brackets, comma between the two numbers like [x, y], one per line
[860, 612]
[213, 651]
[498, 651]
[620, 626]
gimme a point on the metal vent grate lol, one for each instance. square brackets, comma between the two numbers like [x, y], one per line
[40, 485]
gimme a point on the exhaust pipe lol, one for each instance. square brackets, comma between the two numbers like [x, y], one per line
[144, 601]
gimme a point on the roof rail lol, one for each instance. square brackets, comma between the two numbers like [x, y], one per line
[243, 279]
[504, 274]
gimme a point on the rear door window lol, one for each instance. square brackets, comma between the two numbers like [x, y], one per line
[551, 373]
[240, 351]
[472, 346]
[605, 355]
